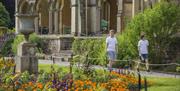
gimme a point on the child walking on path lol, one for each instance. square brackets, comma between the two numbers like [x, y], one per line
[111, 47]
[143, 51]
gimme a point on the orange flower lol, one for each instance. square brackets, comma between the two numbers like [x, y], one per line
[16, 83]
[21, 90]
[30, 83]
[39, 85]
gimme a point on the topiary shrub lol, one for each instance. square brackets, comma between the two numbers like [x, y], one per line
[159, 24]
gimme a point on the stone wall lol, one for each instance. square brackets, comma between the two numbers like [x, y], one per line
[56, 44]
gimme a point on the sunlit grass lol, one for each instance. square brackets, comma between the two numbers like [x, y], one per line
[47, 67]
[164, 84]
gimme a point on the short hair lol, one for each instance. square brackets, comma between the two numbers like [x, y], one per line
[142, 36]
[111, 30]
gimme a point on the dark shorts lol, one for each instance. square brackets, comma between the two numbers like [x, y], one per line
[144, 57]
[111, 55]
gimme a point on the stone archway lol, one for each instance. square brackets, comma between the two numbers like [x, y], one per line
[23, 7]
[105, 13]
[66, 17]
[42, 9]
[109, 13]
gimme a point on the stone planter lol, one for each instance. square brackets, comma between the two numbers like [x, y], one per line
[26, 24]
[26, 59]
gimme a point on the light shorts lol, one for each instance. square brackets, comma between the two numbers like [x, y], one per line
[111, 55]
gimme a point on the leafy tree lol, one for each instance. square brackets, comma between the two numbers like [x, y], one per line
[158, 24]
[4, 16]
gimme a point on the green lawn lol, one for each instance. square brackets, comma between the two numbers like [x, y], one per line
[47, 67]
[164, 84]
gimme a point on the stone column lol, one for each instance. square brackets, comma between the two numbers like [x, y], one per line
[135, 7]
[119, 15]
[61, 22]
[80, 16]
[50, 21]
[98, 25]
[74, 17]
[148, 3]
[56, 22]
[16, 18]
[94, 25]
[142, 5]
[16, 24]
[36, 23]
[61, 17]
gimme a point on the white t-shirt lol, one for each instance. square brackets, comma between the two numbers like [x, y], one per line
[143, 46]
[111, 43]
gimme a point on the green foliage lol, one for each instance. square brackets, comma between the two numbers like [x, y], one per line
[4, 16]
[33, 38]
[159, 24]
[18, 39]
[88, 52]
[94, 48]
[11, 30]
[120, 64]
[6, 49]
[178, 69]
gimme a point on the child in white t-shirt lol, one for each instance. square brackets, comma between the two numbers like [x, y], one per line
[143, 50]
[111, 45]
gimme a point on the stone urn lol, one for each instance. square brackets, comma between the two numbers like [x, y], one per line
[26, 24]
[26, 59]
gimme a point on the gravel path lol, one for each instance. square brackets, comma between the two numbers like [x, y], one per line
[143, 73]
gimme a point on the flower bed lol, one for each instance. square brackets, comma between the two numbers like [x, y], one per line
[117, 82]
[54, 81]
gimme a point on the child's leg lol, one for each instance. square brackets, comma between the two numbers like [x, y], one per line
[110, 63]
[146, 61]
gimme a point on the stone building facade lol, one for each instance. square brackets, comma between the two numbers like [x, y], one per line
[59, 19]
[81, 17]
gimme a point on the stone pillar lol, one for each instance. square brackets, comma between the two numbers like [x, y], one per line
[56, 22]
[98, 20]
[135, 7]
[148, 3]
[50, 21]
[94, 25]
[80, 16]
[142, 5]
[26, 59]
[119, 15]
[16, 24]
[16, 18]
[61, 22]
[153, 2]
[36, 23]
[74, 17]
